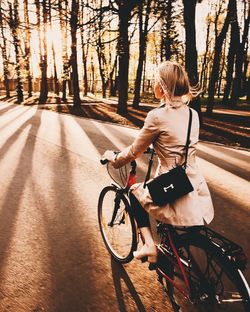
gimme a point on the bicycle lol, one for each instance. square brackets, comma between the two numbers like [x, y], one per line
[205, 267]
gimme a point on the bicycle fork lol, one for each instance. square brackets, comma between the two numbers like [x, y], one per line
[117, 202]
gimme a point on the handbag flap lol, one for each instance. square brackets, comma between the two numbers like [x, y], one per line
[169, 186]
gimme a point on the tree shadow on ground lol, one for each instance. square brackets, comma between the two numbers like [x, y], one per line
[236, 170]
[230, 220]
[14, 193]
[119, 274]
[8, 108]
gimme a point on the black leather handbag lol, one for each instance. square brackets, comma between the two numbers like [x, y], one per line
[174, 184]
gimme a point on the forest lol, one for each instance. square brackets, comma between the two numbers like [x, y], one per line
[113, 47]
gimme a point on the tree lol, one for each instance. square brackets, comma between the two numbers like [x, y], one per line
[124, 13]
[219, 39]
[245, 73]
[143, 31]
[240, 55]
[14, 24]
[42, 48]
[85, 48]
[191, 51]
[112, 80]
[27, 47]
[204, 68]
[100, 49]
[222, 69]
[73, 59]
[234, 37]
[169, 34]
[56, 82]
[248, 90]
[4, 54]
[62, 9]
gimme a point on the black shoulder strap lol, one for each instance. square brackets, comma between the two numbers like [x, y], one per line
[188, 137]
[186, 148]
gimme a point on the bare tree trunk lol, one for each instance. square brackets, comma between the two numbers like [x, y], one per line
[44, 58]
[144, 76]
[217, 52]
[38, 17]
[236, 90]
[101, 61]
[169, 45]
[56, 82]
[124, 13]
[62, 8]
[112, 85]
[204, 82]
[27, 47]
[84, 55]
[235, 32]
[85, 70]
[73, 59]
[14, 24]
[143, 27]
[92, 76]
[168, 39]
[100, 49]
[70, 67]
[169, 9]
[245, 71]
[204, 63]
[4, 55]
[223, 57]
[191, 52]
[123, 54]
[248, 90]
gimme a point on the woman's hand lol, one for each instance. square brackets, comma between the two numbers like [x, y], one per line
[109, 155]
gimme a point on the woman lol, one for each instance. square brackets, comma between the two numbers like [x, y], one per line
[166, 128]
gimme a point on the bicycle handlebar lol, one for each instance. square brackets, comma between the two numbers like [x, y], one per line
[149, 150]
[104, 161]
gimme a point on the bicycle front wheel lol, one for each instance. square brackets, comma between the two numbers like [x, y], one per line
[117, 224]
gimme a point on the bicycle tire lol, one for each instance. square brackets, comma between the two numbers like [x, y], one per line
[120, 238]
[230, 292]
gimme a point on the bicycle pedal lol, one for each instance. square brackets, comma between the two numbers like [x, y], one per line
[152, 266]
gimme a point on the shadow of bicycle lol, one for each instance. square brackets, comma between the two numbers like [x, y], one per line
[120, 276]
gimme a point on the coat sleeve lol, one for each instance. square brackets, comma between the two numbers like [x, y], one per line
[146, 136]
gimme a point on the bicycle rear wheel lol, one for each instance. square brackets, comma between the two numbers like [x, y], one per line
[117, 224]
[216, 284]
[215, 281]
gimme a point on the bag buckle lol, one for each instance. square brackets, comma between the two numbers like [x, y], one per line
[167, 187]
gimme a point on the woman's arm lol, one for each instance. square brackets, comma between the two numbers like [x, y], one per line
[146, 136]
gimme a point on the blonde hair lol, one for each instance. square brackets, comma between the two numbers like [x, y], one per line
[174, 82]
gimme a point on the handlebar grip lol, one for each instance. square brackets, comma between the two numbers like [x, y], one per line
[149, 150]
[103, 161]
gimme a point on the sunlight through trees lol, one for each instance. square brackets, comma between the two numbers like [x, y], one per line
[112, 48]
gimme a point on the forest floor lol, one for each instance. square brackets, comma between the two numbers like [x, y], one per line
[224, 126]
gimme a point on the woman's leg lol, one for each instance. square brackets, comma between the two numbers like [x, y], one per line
[149, 249]
[140, 214]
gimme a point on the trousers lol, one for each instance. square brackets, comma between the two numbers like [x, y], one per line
[140, 214]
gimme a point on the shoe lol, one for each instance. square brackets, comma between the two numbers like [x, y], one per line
[146, 253]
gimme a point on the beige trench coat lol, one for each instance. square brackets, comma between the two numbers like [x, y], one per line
[166, 128]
